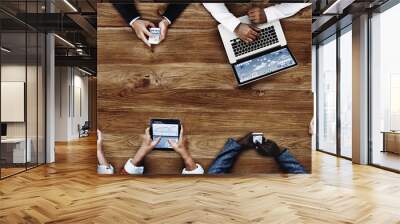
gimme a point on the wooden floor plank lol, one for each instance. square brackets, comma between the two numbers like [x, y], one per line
[70, 191]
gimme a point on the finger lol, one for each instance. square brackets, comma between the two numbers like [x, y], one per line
[151, 25]
[163, 34]
[251, 12]
[147, 132]
[255, 28]
[172, 143]
[144, 39]
[252, 36]
[162, 37]
[249, 40]
[156, 141]
[181, 133]
[147, 32]
[254, 32]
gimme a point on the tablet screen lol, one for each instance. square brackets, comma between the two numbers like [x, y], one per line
[265, 64]
[165, 132]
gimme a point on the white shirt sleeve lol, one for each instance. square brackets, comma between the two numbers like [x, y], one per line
[199, 170]
[132, 169]
[133, 20]
[103, 169]
[283, 10]
[222, 15]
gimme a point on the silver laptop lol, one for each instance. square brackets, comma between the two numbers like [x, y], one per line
[263, 57]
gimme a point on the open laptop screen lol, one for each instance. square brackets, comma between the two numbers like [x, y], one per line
[264, 64]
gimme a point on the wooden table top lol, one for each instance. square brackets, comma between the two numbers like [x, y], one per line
[188, 77]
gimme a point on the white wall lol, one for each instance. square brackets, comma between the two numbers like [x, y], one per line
[71, 102]
[15, 73]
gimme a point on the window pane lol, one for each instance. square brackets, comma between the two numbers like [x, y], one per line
[385, 86]
[327, 96]
[13, 86]
[346, 94]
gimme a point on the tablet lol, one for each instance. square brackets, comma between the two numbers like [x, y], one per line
[165, 129]
[263, 65]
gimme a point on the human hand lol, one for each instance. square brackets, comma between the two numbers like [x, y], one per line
[247, 33]
[268, 148]
[163, 25]
[181, 148]
[246, 142]
[311, 127]
[141, 28]
[147, 146]
[257, 15]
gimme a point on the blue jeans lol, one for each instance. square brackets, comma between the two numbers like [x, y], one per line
[228, 155]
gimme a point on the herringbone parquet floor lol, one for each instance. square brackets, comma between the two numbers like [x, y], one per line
[70, 191]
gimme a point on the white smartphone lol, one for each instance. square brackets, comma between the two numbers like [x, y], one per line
[258, 137]
[154, 37]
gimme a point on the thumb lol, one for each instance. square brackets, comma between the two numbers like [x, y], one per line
[259, 145]
[156, 141]
[172, 143]
[150, 24]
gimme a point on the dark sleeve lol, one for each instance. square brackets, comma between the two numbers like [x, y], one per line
[127, 11]
[288, 163]
[225, 158]
[174, 10]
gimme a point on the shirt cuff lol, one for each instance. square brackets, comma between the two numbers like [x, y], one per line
[133, 20]
[166, 18]
[103, 169]
[199, 170]
[271, 14]
[132, 169]
[232, 24]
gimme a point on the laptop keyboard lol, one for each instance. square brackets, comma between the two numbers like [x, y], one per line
[267, 37]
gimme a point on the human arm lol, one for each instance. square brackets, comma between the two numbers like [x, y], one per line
[286, 161]
[103, 166]
[273, 13]
[220, 12]
[135, 165]
[181, 148]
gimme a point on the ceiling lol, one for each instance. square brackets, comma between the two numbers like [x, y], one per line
[74, 22]
[331, 15]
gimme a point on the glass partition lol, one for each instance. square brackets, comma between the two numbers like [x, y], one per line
[22, 88]
[385, 89]
[13, 94]
[346, 74]
[326, 107]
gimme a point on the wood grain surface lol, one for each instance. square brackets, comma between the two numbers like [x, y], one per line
[188, 77]
[70, 191]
